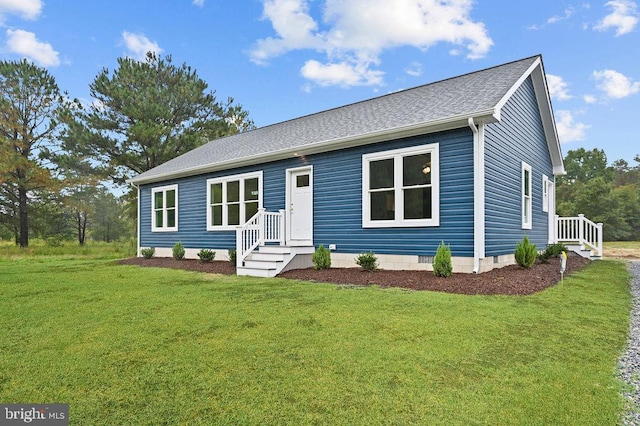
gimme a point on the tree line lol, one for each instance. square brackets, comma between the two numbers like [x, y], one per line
[604, 193]
[60, 159]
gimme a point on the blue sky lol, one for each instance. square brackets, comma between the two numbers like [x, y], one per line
[282, 59]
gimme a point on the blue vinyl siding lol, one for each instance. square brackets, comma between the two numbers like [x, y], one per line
[338, 202]
[518, 137]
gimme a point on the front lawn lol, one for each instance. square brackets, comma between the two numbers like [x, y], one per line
[129, 345]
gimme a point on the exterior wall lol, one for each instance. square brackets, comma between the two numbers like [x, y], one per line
[518, 137]
[337, 202]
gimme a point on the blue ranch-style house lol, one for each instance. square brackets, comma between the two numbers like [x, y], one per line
[470, 161]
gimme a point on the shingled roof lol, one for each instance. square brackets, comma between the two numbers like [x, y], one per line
[436, 106]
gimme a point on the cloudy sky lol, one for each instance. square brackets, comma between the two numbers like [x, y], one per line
[282, 59]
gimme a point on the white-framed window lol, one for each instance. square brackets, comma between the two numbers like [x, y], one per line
[526, 196]
[232, 200]
[164, 208]
[401, 187]
[545, 193]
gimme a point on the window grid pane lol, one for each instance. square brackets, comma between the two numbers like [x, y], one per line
[381, 174]
[416, 170]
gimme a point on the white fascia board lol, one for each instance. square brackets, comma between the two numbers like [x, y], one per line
[325, 146]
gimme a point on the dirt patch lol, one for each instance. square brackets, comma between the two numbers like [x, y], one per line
[622, 253]
[510, 280]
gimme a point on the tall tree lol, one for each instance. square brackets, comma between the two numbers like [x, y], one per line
[30, 102]
[148, 112]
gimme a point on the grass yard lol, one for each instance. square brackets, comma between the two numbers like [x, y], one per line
[129, 345]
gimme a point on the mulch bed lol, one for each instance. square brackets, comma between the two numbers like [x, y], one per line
[510, 280]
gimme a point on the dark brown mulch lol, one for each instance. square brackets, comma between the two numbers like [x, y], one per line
[510, 280]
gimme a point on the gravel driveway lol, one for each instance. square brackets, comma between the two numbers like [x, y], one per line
[630, 360]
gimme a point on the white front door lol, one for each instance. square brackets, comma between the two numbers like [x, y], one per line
[300, 206]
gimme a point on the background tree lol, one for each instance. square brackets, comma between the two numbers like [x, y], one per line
[607, 194]
[30, 102]
[148, 112]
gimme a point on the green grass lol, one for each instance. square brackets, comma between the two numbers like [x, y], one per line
[69, 249]
[128, 345]
[621, 245]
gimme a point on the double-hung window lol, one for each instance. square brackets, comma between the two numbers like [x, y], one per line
[401, 188]
[232, 200]
[164, 215]
[526, 196]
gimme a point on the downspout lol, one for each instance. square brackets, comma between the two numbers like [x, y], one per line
[478, 194]
[137, 219]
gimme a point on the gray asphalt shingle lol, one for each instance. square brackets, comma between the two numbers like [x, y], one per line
[444, 100]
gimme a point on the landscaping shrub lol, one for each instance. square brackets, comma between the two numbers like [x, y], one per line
[232, 256]
[148, 252]
[206, 255]
[526, 253]
[552, 250]
[321, 258]
[178, 251]
[442, 266]
[368, 261]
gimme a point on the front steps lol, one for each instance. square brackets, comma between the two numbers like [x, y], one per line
[270, 260]
[583, 251]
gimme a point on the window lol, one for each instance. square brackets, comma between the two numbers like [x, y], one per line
[526, 196]
[164, 215]
[401, 188]
[545, 193]
[233, 200]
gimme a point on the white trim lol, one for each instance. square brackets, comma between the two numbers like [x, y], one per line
[289, 174]
[527, 209]
[545, 193]
[515, 87]
[138, 223]
[479, 225]
[223, 180]
[397, 155]
[164, 190]
[450, 123]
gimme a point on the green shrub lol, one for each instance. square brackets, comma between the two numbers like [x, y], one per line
[552, 250]
[206, 255]
[321, 258]
[526, 253]
[148, 252]
[232, 256]
[178, 251]
[442, 266]
[367, 261]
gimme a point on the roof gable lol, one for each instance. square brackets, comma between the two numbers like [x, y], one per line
[432, 107]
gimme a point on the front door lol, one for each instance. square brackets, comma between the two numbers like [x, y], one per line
[300, 206]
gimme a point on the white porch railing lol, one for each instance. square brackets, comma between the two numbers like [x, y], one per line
[263, 227]
[580, 230]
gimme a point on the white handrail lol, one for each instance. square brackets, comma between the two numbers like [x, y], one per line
[580, 230]
[263, 227]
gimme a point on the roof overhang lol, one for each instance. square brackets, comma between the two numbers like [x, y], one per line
[488, 116]
[538, 77]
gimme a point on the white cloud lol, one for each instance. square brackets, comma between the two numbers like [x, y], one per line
[340, 74]
[614, 84]
[27, 9]
[138, 45]
[26, 44]
[198, 3]
[415, 69]
[590, 99]
[558, 88]
[568, 13]
[353, 34]
[568, 129]
[623, 18]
